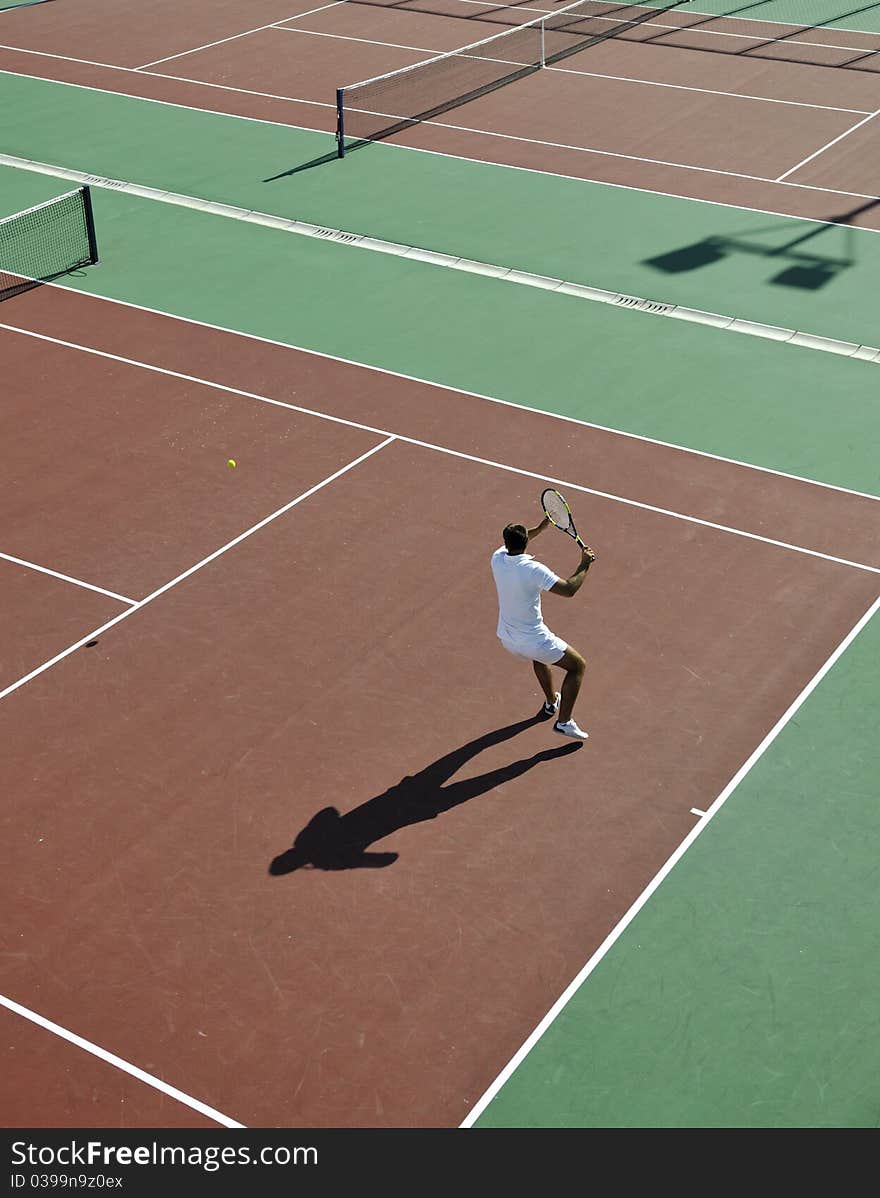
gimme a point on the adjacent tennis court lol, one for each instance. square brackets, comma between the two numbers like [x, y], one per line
[285, 841]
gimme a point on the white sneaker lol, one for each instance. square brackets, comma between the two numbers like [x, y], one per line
[552, 708]
[570, 729]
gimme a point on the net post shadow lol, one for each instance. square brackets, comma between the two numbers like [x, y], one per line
[321, 160]
[804, 269]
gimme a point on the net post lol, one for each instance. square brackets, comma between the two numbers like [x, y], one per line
[543, 56]
[90, 224]
[340, 122]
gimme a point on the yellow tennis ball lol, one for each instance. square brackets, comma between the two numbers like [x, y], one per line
[231, 462]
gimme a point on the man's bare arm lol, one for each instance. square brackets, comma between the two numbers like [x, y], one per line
[533, 532]
[571, 586]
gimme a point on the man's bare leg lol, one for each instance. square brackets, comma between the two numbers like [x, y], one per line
[545, 677]
[574, 666]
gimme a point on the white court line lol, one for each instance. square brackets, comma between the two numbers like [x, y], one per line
[760, 38]
[650, 191]
[705, 91]
[439, 153]
[48, 1025]
[719, 321]
[111, 1059]
[673, 28]
[86, 62]
[702, 91]
[828, 145]
[391, 436]
[507, 403]
[192, 569]
[629, 42]
[763, 44]
[509, 166]
[19, 561]
[695, 27]
[697, 811]
[627, 919]
[241, 91]
[683, 166]
[234, 37]
[224, 87]
[247, 91]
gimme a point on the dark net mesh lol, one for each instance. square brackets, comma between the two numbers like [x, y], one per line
[45, 242]
[390, 103]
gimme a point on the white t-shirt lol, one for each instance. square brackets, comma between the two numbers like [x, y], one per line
[519, 580]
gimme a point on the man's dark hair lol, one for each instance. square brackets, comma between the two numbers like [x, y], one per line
[515, 538]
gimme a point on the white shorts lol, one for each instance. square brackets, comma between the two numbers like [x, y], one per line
[541, 645]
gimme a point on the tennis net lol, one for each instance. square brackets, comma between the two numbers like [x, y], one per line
[386, 104]
[46, 241]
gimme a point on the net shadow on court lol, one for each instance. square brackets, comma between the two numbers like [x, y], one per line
[782, 47]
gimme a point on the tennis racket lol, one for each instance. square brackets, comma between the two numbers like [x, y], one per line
[558, 512]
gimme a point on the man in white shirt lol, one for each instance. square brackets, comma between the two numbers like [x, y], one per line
[519, 580]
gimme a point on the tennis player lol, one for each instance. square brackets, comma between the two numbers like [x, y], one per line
[519, 580]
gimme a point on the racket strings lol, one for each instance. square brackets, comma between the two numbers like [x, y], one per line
[556, 509]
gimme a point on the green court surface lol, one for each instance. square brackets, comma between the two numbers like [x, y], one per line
[676, 382]
[820, 14]
[742, 993]
[673, 250]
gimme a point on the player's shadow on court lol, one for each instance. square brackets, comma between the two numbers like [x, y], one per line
[334, 841]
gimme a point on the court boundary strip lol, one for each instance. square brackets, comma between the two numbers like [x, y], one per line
[20, 561]
[111, 1058]
[507, 403]
[456, 453]
[719, 321]
[484, 162]
[683, 166]
[574, 986]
